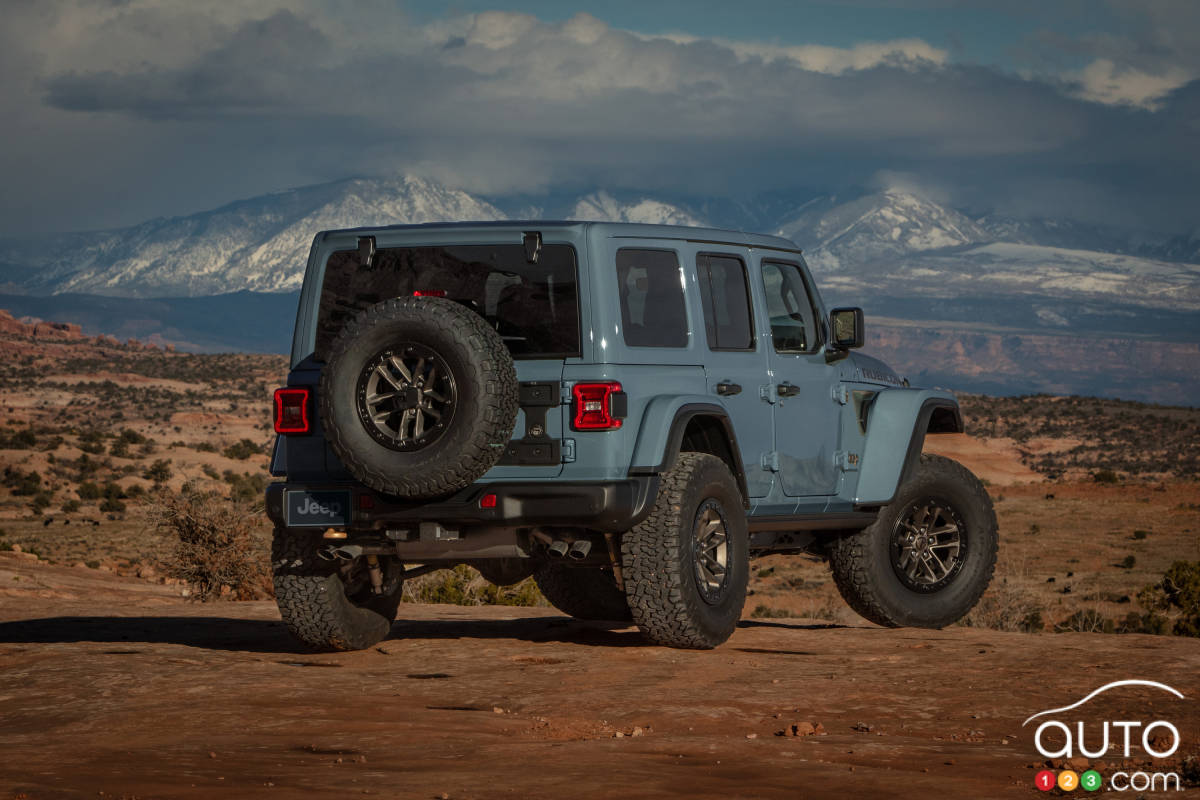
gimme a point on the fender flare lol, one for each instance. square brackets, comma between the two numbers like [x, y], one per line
[887, 463]
[683, 414]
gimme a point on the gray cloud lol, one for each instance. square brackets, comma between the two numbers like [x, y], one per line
[188, 109]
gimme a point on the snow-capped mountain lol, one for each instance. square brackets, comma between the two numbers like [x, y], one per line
[878, 226]
[260, 244]
[604, 207]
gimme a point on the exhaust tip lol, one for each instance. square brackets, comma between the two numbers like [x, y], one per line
[579, 551]
[558, 548]
[327, 554]
[347, 552]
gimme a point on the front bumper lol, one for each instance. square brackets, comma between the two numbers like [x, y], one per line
[612, 506]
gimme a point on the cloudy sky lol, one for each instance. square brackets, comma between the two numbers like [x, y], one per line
[119, 110]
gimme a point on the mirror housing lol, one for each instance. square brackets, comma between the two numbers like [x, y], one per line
[846, 328]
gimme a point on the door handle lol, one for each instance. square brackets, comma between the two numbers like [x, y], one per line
[728, 389]
[787, 390]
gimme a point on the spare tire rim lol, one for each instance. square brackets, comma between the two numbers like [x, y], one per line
[710, 551]
[406, 396]
[929, 544]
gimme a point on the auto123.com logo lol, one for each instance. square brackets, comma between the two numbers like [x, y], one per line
[1060, 735]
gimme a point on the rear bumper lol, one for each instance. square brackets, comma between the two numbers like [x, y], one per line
[605, 505]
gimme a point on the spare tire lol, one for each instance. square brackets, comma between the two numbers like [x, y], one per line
[418, 397]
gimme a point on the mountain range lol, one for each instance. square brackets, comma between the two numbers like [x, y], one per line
[907, 259]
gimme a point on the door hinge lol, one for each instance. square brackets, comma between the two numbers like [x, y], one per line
[767, 392]
[846, 461]
[770, 461]
[841, 395]
[568, 451]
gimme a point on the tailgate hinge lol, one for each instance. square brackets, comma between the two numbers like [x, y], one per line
[770, 461]
[846, 461]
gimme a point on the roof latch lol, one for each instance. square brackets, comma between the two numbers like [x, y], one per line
[533, 245]
[366, 250]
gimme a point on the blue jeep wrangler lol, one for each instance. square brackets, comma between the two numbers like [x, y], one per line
[628, 413]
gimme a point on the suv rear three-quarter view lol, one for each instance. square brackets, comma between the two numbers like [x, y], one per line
[628, 413]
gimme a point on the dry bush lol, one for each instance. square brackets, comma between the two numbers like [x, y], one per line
[221, 548]
[464, 586]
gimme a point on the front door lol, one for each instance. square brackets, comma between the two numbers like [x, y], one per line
[807, 415]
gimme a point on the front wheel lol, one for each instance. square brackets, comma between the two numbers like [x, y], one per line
[686, 565]
[927, 559]
[331, 605]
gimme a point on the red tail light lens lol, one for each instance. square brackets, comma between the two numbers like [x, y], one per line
[597, 406]
[429, 293]
[291, 411]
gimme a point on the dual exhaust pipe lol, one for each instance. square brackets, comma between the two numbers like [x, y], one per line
[577, 551]
[343, 552]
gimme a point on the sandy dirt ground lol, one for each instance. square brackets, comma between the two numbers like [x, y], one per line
[114, 687]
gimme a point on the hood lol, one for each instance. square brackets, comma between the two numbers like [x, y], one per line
[866, 369]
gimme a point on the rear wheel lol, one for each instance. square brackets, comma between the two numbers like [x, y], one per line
[930, 555]
[331, 605]
[582, 592]
[686, 565]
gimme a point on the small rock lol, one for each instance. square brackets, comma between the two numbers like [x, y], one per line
[497, 710]
[16, 548]
[362, 759]
[211, 754]
[1078, 764]
[637, 731]
[751, 735]
[819, 729]
[863, 727]
[337, 760]
[618, 735]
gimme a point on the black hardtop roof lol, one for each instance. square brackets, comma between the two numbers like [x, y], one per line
[631, 230]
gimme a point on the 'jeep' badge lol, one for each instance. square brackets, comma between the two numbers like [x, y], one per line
[317, 509]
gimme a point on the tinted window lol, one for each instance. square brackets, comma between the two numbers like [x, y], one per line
[651, 288]
[726, 297]
[534, 307]
[789, 307]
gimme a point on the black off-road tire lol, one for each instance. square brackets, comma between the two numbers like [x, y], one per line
[657, 558]
[485, 407]
[862, 562]
[311, 594]
[583, 592]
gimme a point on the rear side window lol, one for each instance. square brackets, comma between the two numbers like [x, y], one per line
[726, 297]
[652, 308]
[534, 307]
[790, 308]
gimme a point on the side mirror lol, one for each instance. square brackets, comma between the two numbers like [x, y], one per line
[846, 328]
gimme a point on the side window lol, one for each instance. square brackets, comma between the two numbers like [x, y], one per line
[726, 297]
[793, 327]
[652, 307]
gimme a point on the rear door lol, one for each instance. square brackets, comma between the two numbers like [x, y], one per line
[807, 415]
[736, 367]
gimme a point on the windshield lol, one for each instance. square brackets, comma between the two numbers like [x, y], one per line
[534, 307]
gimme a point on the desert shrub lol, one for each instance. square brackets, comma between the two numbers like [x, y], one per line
[91, 442]
[766, 612]
[219, 547]
[88, 490]
[1178, 593]
[1128, 562]
[1006, 606]
[205, 447]
[247, 487]
[1085, 620]
[1139, 534]
[41, 500]
[111, 505]
[1105, 476]
[242, 450]
[464, 586]
[1149, 622]
[159, 472]
[22, 483]
[71, 506]
[211, 472]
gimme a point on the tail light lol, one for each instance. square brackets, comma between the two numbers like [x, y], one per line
[291, 411]
[598, 406]
[429, 293]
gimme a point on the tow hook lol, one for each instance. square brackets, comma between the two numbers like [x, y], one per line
[376, 574]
